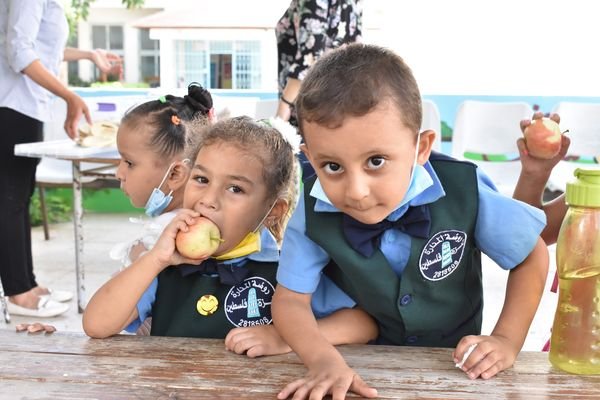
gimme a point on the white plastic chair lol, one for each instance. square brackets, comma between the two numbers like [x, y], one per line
[433, 121]
[266, 109]
[583, 122]
[491, 130]
[231, 106]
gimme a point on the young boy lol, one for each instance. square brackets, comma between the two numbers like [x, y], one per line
[359, 111]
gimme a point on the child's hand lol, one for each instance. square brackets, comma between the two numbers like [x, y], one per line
[328, 376]
[164, 250]
[255, 341]
[490, 355]
[537, 166]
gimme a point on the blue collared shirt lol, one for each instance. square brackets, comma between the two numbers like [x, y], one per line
[327, 299]
[31, 30]
[506, 230]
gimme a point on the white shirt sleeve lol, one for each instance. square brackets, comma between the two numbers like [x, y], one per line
[24, 20]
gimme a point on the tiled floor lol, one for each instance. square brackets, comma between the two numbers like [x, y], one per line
[54, 267]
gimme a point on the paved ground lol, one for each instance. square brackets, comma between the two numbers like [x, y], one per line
[54, 267]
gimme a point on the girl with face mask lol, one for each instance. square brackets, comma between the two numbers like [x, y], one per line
[151, 140]
[243, 179]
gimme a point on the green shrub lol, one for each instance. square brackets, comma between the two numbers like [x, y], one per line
[58, 208]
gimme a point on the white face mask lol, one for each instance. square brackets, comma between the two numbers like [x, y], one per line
[414, 166]
[158, 201]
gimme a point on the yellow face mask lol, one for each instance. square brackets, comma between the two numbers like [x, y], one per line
[249, 244]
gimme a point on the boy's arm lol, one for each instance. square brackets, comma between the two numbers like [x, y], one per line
[344, 326]
[498, 351]
[348, 326]
[328, 373]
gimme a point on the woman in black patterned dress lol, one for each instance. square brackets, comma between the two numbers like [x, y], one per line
[307, 30]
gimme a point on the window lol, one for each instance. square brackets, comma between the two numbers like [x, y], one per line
[149, 59]
[218, 64]
[108, 37]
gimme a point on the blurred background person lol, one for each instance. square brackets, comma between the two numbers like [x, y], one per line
[32, 46]
[307, 30]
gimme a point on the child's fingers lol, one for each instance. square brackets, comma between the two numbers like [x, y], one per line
[564, 145]
[462, 347]
[256, 351]
[555, 117]
[479, 363]
[361, 388]
[238, 340]
[524, 123]
[538, 115]
[522, 146]
[299, 387]
[492, 371]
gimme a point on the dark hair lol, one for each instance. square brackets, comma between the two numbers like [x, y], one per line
[268, 145]
[354, 79]
[168, 119]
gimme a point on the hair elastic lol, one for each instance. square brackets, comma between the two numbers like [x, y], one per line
[162, 99]
[286, 101]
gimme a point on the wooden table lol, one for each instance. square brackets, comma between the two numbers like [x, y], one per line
[68, 150]
[72, 366]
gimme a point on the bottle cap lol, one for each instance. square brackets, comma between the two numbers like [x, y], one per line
[585, 190]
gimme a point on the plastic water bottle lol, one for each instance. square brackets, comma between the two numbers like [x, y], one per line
[575, 341]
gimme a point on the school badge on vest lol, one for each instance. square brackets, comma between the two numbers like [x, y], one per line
[442, 254]
[207, 305]
[249, 303]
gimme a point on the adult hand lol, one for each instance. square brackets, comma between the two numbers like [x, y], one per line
[107, 62]
[75, 108]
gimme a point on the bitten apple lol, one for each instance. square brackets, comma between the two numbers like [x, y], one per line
[543, 138]
[200, 241]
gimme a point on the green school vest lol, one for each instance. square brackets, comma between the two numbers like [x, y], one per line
[439, 297]
[175, 313]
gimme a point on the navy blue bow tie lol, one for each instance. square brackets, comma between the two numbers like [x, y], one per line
[365, 238]
[229, 274]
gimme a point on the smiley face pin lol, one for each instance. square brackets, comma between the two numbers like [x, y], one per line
[207, 305]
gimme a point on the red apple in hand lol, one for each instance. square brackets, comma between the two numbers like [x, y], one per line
[543, 138]
[200, 241]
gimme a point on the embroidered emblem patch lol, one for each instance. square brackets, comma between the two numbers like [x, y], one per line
[249, 303]
[442, 254]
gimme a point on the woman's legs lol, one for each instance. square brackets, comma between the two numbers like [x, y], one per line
[17, 183]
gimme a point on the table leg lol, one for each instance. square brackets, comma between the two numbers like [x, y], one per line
[78, 225]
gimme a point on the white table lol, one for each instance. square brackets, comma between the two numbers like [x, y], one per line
[68, 150]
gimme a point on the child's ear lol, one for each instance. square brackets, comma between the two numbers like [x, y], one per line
[426, 140]
[304, 150]
[179, 174]
[278, 212]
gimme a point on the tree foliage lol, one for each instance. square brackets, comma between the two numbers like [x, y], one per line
[79, 10]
